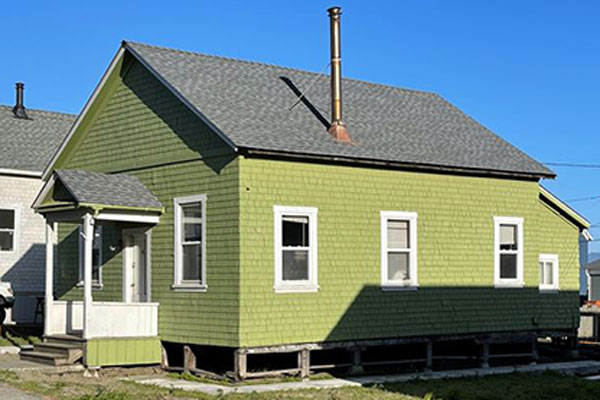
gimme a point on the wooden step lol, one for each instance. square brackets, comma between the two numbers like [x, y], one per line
[65, 339]
[72, 352]
[56, 350]
[44, 358]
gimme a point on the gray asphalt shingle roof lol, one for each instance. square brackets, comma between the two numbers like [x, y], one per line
[29, 144]
[107, 189]
[250, 104]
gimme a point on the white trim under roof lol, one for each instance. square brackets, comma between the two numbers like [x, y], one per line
[82, 114]
[20, 172]
[124, 216]
[39, 198]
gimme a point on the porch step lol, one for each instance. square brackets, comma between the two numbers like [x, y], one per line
[56, 350]
[65, 339]
[72, 352]
[44, 358]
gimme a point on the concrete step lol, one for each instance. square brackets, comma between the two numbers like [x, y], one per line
[44, 358]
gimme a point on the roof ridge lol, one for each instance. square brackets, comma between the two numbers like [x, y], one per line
[37, 110]
[265, 64]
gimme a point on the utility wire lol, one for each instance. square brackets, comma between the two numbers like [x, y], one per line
[584, 199]
[572, 165]
[303, 94]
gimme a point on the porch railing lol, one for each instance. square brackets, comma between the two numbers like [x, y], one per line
[108, 319]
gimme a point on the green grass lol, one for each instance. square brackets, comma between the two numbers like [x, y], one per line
[11, 340]
[501, 387]
[544, 386]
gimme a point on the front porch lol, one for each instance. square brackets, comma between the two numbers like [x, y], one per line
[123, 332]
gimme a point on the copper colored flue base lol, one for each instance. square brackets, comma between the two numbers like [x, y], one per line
[339, 132]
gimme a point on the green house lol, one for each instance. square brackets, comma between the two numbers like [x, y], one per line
[200, 203]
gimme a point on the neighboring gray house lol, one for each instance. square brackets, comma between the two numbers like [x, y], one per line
[592, 271]
[29, 138]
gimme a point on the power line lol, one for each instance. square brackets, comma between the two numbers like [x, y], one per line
[572, 165]
[584, 199]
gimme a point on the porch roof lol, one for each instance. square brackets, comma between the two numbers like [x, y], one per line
[69, 189]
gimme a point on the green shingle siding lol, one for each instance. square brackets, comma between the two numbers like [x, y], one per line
[455, 255]
[143, 130]
[147, 132]
[67, 266]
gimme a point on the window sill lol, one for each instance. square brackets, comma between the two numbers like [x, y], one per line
[95, 286]
[399, 288]
[296, 289]
[189, 288]
[515, 285]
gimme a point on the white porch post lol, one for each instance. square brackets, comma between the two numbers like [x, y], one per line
[88, 236]
[49, 293]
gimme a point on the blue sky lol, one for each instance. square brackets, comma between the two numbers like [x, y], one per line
[528, 70]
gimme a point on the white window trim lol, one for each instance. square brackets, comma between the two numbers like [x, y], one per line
[310, 285]
[16, 230]
[553, 258]
[508, 283]
[178, 283]
[413, 282]
[95, 285]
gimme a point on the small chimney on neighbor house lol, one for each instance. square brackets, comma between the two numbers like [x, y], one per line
[19, 108]
[337, 128]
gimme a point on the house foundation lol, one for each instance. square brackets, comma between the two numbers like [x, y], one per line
[359, 357]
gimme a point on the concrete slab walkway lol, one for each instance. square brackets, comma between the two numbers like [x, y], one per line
[15, 364]
[9, 350]
[575, 367]
[14, 394]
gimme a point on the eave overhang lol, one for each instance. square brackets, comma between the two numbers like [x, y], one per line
[566, 211]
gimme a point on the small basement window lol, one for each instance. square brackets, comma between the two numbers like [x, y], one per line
[508, 252]
[8, 232]
[398, 250]
[295, 249]
[190, 243]
[548, 272]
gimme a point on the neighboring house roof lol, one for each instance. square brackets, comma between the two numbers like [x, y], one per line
[97, 189]
[251, 105]
[28, 144]
[594, 266]
[564, 209]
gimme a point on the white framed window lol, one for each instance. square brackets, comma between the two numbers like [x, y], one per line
[9, 218]
[508, 251]
[96, 257]
[548, 272]
[295, 249]
[398, 250]
[190, 243]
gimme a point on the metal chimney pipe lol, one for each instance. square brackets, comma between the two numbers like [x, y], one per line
[19, 108]
[337, 128]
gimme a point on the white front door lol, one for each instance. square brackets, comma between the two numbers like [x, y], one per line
[135, 272]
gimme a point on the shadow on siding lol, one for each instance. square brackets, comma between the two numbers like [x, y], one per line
[196, 135]
[433, 311]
